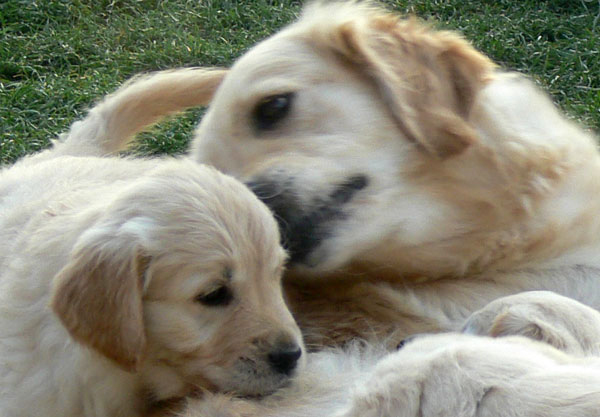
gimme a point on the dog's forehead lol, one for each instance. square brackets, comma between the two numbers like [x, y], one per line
[285, 57]
[182, 275]
[249, 250]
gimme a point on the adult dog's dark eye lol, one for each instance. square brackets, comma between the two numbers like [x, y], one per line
[220, 297]
[269, 111]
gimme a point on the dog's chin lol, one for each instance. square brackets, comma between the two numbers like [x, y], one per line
[251, 379]
[260, 391]
[316, 261]
[344, 248]
[255, 387]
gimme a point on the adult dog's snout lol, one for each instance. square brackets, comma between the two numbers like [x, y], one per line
[304, 225]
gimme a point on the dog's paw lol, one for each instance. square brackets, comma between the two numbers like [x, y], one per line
[464, 375]
[429, 376]
[540, 315]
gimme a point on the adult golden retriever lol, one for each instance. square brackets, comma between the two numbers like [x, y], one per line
[126, 282]
[413, 180]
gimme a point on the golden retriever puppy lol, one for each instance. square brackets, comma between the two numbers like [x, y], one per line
[126, 282]
[541, 315]
[413, 181]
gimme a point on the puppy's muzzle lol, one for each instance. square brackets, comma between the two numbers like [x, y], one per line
[305, 223]
[284, 359]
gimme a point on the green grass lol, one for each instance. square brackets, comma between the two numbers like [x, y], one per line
[57, 57]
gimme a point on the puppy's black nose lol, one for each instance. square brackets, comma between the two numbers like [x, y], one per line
[284, 361]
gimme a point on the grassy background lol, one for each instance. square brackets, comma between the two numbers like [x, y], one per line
[57, 57]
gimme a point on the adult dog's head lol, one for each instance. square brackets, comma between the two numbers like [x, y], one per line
[379, 141]
[178, 280]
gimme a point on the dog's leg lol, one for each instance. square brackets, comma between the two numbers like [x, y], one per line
[465, 376]
[334, 312]
[139, 103]
[541, 315]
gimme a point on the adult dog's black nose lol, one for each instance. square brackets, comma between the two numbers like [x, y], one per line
[305, 223]
[284, 361]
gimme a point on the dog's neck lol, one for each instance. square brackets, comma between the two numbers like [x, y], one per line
[545, 194]
[527, 193]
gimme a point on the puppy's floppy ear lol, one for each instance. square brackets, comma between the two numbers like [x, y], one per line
[98, 296]
[428, 78]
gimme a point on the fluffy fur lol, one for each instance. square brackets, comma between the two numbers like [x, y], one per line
[127, 282]
[413, 181]
[449, 374]
[323, 388]
[464, 376]
[541, 315]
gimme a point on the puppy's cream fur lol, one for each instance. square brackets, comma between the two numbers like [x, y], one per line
[461, 375]
[104, 266]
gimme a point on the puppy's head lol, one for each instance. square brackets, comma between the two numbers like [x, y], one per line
[329, 120]
[179, 281]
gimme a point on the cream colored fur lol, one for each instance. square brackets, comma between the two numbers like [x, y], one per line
[465, 376]
[541, 315]
[477, 188]
[104, 266]
[448, 374]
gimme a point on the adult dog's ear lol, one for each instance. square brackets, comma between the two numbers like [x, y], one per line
[98, 297]
[429, 79]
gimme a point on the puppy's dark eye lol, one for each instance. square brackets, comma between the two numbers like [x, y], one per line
[220, 297]
[269, 111]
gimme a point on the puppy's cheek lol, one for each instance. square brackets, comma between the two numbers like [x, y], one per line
[178, 327]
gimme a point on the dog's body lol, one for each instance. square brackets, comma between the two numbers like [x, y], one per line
[393, 152]
[125, 282]
[465, 376]
[558, 321]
